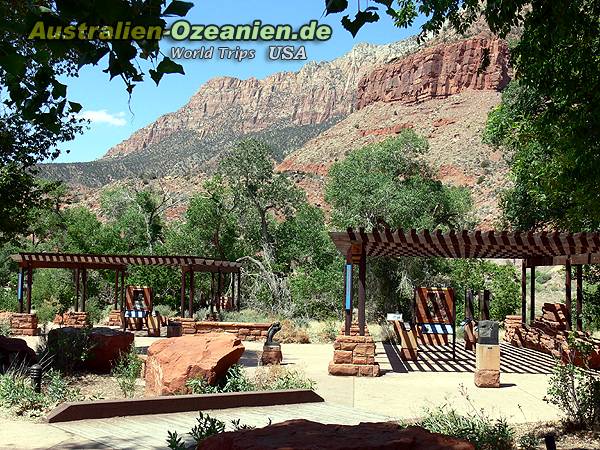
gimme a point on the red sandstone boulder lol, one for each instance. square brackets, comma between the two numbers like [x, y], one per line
[307, 435]
[171, 362]
[13, 352]
[104, 345]
[107, 346]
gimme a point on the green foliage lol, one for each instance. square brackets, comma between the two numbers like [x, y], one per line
[19, 397]
[480, 430]
[126, 371]
[5, 329]
[207, 426]
[389, 183]
[576, 391]
[174, 441]
[265, 379]
[528, 441]
[500, 279]
[52, 293]
[316, 292]
[8, 300]
[68, 351]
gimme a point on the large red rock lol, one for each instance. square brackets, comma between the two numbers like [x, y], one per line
[13, 352]
[307, 435]
[171, 362]
[105, 345]
[438, 72]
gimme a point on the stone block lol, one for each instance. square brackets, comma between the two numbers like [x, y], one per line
[343, 369]
[487, 378]
[342, 357]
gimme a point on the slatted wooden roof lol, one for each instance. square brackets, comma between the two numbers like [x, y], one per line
[90, 261]
[540, 248]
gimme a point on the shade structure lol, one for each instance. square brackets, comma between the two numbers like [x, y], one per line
[92, 261]
[536, 248]
[533, 248]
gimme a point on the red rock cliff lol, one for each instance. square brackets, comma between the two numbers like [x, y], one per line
[438, 72]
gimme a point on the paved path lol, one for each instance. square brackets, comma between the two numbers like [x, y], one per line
[150, 432]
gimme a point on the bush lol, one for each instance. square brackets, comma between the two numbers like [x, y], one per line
[164, 310]
[126, 371]
[207, 426]
[5, 329]
[97, 310]
[480, 430]
[576, 391]
[292, 332]
[18, 395]
[8, 300]
[247, 315]
[273, 378]
[528, 441]
[69, 350]
[265, 379]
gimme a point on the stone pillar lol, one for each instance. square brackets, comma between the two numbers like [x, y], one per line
[487, 365]
[271, 354]
[354, 355]
[24, 324]
[114, 318]
[75, 319]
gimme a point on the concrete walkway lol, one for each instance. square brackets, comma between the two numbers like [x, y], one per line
[405, 391]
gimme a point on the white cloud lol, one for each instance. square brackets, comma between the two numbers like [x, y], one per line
[103, 116]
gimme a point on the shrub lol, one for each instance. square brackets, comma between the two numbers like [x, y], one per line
[528, 441]
[265, 379]
[97, 310]
[18, 395]
[247, 315]
[69, 350]
[278, 377]
[126, 371]
[174, 441]
[575, 391]
[480, 430]
[292, 333]
[330, 330]
[207, 426]
[5, 329]
[8, 300]
[164, 310]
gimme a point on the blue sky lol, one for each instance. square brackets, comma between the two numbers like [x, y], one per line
[114, 118]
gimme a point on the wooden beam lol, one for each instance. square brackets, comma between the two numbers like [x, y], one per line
[362, 292]
[191, 303]
[84, 289]
[77, 284]
[182, 298]
[219, 286]
[212, 293]
[116, 289]
[568, 293]
[29, 284]
[239, 283]
[523, 293]
[532, 296]
[122, 289]
[579, 307]
[484, 311]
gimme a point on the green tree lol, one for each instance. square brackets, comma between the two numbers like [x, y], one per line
[37, 118]
[389, 183]
[258, 190]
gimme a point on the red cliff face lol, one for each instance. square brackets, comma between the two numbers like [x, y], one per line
[438, 72]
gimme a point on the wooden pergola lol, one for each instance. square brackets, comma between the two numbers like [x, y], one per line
[81, 263]
[533, 248]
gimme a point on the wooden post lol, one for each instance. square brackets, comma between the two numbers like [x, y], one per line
[29, 284]
[77, 278]
[485, 305]
[579, 306]
[122, 288]
[239, 283]
[116, 289]
[84, 289]
[469, 313]
[348, 295]
[362, 291]
[212, 292]
[523, 293]
[191, 303]
[532, 296]
[182, 299]
[568, 293]
[219, 282]
[20, 289]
